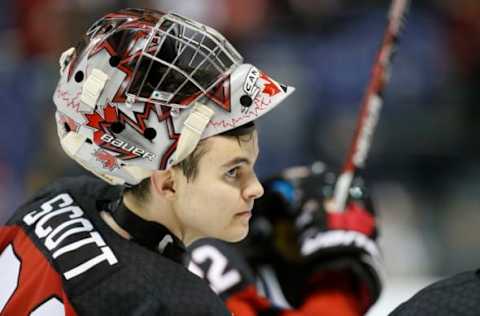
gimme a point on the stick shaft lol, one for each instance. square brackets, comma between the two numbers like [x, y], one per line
[371, 105]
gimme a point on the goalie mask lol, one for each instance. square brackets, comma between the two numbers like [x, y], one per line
[144, 87]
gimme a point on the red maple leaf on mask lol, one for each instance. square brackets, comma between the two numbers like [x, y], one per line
[101, 124]
[270, 87]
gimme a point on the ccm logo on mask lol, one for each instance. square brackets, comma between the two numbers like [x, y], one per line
[250, 84]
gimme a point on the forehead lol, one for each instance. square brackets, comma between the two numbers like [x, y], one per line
[222, 149]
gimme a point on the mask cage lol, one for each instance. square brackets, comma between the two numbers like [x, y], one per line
[181, 61]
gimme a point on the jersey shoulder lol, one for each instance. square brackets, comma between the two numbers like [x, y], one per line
[153, 284]
[457, 295]
[222, 265]
[82, 189]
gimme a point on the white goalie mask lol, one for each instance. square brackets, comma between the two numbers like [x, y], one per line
[144, 87]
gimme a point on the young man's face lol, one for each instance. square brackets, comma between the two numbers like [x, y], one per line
[218, 201]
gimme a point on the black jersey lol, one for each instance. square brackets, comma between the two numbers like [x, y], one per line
[58, 257]
[458, 295]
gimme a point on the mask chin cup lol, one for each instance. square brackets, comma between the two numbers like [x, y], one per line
[71, 144]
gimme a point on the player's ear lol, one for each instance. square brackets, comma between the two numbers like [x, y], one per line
[163, 183]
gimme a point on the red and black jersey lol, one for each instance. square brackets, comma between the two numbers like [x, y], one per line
[58, 257]
[255, 289]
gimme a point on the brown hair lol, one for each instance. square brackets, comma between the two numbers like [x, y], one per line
[189, 165]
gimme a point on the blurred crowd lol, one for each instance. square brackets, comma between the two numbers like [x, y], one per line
[424, 167]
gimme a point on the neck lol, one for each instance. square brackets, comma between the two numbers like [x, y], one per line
[158, 212]
[145, 231]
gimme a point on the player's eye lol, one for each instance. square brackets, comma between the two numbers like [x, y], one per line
[232, 173]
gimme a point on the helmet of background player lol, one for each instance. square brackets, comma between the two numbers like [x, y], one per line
[144, 87]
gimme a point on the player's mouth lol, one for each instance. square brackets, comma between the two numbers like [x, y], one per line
[245, 214]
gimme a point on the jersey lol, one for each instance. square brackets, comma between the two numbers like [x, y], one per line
[458, 295]
[257, 289]
[58, 257]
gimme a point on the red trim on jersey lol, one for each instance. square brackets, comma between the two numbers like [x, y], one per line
[334, 291]
[38, 280]
[247, 302]
[334, 297]
[330, 302]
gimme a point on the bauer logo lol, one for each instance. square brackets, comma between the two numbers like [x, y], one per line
[128, 147]
[250, 84]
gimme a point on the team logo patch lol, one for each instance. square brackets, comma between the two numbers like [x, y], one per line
[107, 160]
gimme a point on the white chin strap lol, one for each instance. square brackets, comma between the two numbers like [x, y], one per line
[192, 131]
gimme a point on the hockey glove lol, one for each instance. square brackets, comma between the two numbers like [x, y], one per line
[324, 243]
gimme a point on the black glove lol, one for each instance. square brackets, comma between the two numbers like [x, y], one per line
[290, 222]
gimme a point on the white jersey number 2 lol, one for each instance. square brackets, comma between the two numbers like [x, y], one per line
[220, 280]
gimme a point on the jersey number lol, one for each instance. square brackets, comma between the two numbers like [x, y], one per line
[220, 280]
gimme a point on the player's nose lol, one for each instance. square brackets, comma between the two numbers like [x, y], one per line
[254, 189]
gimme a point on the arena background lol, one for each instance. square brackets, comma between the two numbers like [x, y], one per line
[424, 166]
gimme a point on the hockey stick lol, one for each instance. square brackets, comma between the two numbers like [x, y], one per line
[371, 105]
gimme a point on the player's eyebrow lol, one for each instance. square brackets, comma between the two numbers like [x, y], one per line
[237, 161]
